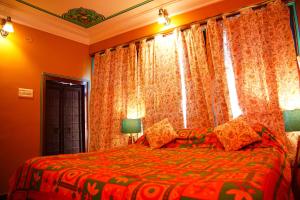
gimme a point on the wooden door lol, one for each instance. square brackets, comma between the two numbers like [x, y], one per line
[64, 120]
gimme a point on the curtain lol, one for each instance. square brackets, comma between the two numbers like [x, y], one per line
[160, 87]
[215, 49]
[197, 78]
[113, 97]
[208, 102]
[264, 63]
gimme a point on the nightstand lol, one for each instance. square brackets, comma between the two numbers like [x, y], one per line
[296, 173]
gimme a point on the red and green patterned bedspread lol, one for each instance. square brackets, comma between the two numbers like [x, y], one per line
[138, 172]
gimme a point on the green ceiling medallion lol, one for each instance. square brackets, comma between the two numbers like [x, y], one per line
[83, 17]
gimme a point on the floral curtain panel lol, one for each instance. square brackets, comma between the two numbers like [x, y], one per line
[160, 86]
[113, 97]
[215, 52]
[205, 76]
[198, 79]
[264, 62]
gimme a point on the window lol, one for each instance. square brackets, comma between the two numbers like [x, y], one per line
[183, 87]
[234, 102]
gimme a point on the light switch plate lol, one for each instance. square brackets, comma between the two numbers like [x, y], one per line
[25, 93]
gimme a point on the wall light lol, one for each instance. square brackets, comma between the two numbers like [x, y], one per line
[7, 27]
[163, 17]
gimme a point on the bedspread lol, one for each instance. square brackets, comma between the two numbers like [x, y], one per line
[139, 172]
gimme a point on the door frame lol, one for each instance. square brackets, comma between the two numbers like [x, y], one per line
[54, 77]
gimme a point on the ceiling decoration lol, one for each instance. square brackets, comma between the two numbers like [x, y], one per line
[83, 16]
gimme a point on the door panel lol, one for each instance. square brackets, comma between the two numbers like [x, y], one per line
[72, 119]
[52, 146]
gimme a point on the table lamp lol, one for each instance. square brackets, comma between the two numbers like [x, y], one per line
[291, 120]
[131, 126]
[292, 124]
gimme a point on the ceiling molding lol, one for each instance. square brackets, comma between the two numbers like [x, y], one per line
[41, 21]
[124, 22]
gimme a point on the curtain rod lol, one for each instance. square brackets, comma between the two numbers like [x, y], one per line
[188, 25]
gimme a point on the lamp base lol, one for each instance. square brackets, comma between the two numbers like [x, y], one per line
[131, 139]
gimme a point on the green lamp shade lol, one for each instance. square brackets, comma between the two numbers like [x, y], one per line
[131, 126]
[292, 120]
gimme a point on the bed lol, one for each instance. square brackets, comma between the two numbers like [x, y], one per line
[188, 168]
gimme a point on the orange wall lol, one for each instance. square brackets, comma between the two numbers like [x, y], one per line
[24, 55]
[185, 18]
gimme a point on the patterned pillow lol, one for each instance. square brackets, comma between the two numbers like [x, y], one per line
[160, 134]
[206, 140]
[268, 139]
[292, 145]
[190, 133]
[184, 133]
[142, 141]
[236, 134]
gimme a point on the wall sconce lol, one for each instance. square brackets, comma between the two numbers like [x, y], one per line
[163, 17]
[7, 27]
